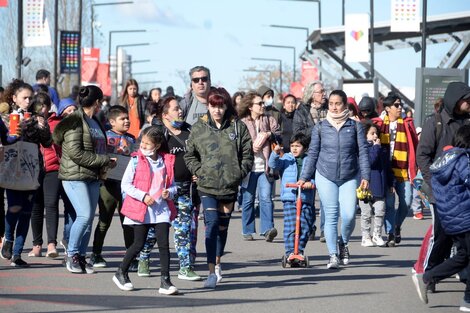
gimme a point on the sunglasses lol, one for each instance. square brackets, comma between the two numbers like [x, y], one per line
[196, 80]
[261, 103]
[397, 104]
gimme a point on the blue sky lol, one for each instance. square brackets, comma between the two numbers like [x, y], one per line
[225, 35]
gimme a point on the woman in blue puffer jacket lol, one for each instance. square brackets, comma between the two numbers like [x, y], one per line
[337, 152]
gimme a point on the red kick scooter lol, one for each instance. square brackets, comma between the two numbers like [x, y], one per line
[296, 259]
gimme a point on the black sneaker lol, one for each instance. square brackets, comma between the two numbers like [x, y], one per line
[86, 267]
[166, 287]
[271, 234]
[7, 249]
[397, 235]
[17, 261]
[121, 279]
[73, 264]
[390, 241]
[343, 252]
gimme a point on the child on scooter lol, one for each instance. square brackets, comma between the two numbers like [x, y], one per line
[290, 167]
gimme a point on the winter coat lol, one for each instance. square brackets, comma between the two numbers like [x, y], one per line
[79, 160]
[381, 176]
[219, 157]
[337, 155]
[287, 166]
[430, 147]
[267, 124]
[135, 209]
[451, 186]
[52, 154]
[303, 122]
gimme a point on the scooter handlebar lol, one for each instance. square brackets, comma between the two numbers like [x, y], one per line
[293, 185]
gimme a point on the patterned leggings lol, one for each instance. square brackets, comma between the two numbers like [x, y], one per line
[185, 228]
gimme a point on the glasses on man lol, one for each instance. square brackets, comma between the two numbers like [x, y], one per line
[397, 104]
[261, 103]
[196, 80]
[320, 91]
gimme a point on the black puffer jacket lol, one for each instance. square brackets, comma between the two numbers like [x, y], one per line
[430, 147]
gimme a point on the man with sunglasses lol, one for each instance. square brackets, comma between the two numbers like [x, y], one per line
[194, 103]
[399, 135]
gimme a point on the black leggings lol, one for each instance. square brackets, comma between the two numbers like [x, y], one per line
[162, 231]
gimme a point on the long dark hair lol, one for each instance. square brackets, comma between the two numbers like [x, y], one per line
[88, 95]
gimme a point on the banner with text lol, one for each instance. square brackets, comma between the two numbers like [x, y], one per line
[36, 30]
[357, 38]
[309, 73]
[405, 16]
[3, 3]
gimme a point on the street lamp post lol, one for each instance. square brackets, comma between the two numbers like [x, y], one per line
[284, 47]
[295, 27]
[93, 5]
[319, 9]
[110, 38]
[280, 69]
[261, 71]
[124, 62]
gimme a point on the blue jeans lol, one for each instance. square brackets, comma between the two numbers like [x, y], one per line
[20, 204]
[216, 228]
[257, 180]
[394, 218]
[336, 199]
[84, 197]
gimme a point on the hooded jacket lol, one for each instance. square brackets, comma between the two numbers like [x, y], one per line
[451, 186]
[430, 147]
[219, 157]
[79, 160]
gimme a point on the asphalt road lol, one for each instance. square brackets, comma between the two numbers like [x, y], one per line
[377, 280]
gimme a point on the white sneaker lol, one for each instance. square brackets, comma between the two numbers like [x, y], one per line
[378, 241]
[366, 241]
[211, 281]
[218, 273]
[333, 263]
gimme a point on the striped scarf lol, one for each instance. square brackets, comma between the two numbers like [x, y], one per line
[400, 151]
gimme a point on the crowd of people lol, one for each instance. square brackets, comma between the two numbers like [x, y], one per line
[162, 161]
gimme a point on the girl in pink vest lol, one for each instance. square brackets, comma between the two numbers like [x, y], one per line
[148, 187]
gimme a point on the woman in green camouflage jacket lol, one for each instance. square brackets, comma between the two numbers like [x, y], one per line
[219, 153]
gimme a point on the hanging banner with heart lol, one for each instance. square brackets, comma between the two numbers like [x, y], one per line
[357, 37]
[405, 16]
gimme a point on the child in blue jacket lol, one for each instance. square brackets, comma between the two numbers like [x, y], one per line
[381, 179]
[450, 182]
[290, 167]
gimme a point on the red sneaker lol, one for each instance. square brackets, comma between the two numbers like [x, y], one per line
[418, 216]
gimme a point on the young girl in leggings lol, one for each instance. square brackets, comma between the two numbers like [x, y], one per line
[149, 186]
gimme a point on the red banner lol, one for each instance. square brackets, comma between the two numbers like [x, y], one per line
[90, 61]
[3, 3]
[296, 89]
[103, 78]
[309, 73]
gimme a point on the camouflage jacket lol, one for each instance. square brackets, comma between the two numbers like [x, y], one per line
[220, 158]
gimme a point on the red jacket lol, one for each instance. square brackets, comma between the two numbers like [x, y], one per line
[52, 154]
[136, 209]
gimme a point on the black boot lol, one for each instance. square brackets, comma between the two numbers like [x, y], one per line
[166, 287]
